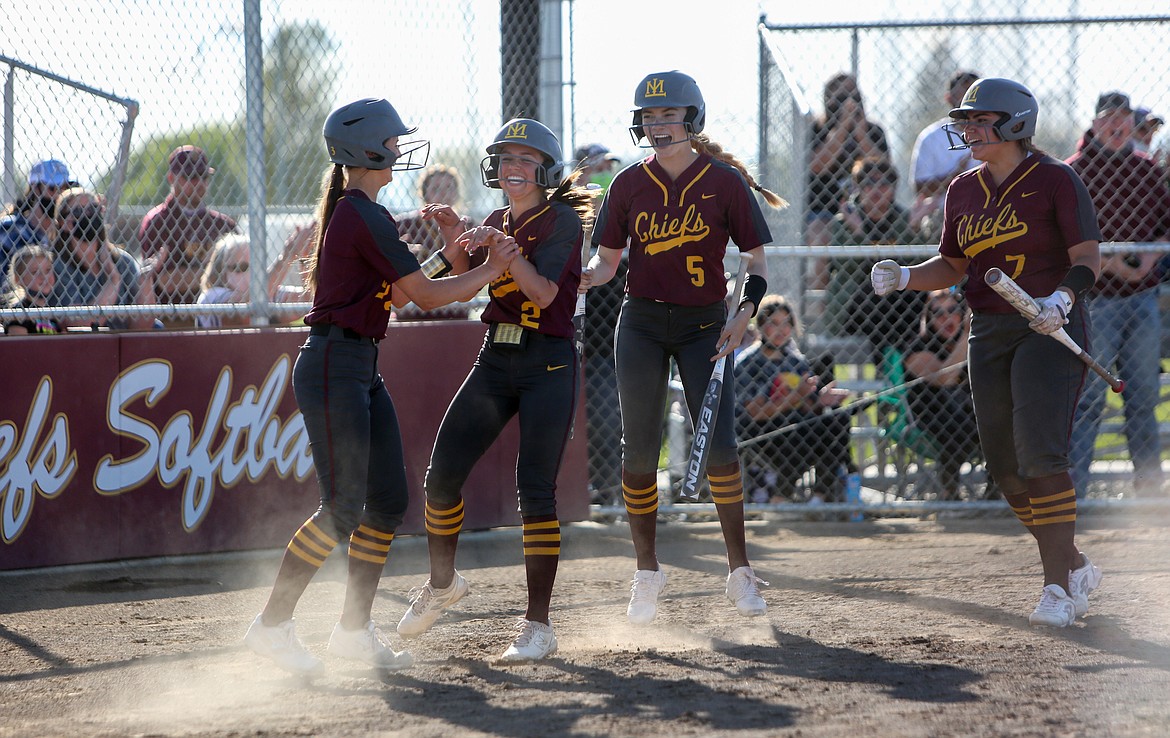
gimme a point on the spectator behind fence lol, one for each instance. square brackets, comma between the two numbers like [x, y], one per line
[597, 165]
[440, 185]
[181, 230]
[941, 403]
[842, 137]
[228, 275]
[871, 217]
[1145, 126]
[776, 389]
[91, 270]
[31, 279]
[934, 163]
[29, 220]
[1130, 194]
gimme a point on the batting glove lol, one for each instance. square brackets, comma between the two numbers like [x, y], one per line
[886, 277]
[1053, 313]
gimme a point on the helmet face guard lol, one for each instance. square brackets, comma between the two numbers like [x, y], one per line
[669, 90]
[1015, 105]
[533, 134]
[355, 136]
[412, 155]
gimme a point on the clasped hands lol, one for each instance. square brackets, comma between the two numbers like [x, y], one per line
[502, 248]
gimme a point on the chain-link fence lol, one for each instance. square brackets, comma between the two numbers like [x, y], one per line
[248, 83]
[856, 109]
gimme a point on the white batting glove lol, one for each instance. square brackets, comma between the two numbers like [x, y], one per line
[886, 277]
[1053, 313]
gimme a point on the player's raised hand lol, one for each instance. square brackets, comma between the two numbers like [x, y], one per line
[886, 277]
[478, 237]
[502, 249]
[451, 225]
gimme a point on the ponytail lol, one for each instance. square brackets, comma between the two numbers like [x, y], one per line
[332, 185]
[704, 145]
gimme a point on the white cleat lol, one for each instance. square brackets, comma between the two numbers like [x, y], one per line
[644, 591]
[367, 645]
[1056, 608]
[280, 644]
[1082, 582]
[743, 589]
[535, 641]
[428, 603]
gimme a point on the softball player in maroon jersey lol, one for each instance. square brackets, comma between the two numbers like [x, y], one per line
[678, 208]
[359, 269]
[1031, 216]
[527, 367]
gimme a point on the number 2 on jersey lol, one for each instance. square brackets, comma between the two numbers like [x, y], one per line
[530, 315]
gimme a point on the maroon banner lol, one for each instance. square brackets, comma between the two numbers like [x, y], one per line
[149, 444]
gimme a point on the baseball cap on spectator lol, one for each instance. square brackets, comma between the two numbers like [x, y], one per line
[49, 172]
[590, 155]
[1111, 101]
[963, 79]
[189, 161]
[1143, 116]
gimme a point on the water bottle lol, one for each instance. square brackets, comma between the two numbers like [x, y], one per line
[852, 484]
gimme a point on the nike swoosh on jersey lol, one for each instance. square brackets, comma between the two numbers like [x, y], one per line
[708, 197]
[550, 368]
[1028, 194]
[705, 326]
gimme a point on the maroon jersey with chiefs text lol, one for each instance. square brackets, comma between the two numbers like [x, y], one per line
[361, 258]
[550, 236]
[1025, 227]
[678, 230]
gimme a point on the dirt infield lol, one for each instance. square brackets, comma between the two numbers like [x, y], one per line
[901, 627]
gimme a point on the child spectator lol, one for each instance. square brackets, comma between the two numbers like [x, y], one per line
[30, 279]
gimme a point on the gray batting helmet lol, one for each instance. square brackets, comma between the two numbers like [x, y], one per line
[355, 135]
[1015, 103]
[527, 132]
[671, 89]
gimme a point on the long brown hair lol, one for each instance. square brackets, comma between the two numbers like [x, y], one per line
[578, 198]
[332, 185]
[704, 145]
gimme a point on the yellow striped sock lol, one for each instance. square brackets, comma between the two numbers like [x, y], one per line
[640, 501]
[543, 538]
[311, 544]
[1052, 509]
[726, 489]
[1024, 513]
[443, 522]
[369, 544]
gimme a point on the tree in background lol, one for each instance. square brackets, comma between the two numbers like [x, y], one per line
[299, 72]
